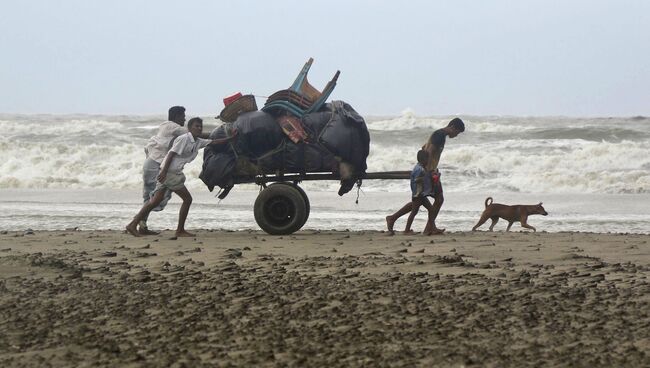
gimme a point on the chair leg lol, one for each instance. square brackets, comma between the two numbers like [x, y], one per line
[301, 76]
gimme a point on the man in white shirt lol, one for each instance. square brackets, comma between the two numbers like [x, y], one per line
[156, 150]
[185, 148]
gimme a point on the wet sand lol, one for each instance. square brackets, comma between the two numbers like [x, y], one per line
[324, 298]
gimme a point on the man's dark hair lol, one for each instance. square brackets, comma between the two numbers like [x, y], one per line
[422, 156]
[194, 121]
[457, 124]
[174, 112]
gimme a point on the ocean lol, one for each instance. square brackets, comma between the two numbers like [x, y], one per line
[592, 174]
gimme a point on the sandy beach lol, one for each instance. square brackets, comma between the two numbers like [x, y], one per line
[324, 298]
[539, 108]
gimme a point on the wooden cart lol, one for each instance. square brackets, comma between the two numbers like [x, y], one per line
[282, 207]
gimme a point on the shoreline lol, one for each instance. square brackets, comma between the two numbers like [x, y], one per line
[112, 209]
[324, 298]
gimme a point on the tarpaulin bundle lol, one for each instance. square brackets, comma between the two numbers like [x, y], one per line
[338, 141]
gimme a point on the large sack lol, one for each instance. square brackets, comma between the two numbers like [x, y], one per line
[218, 169]
[316, 121]
[346, 135]
[257, 133]
[309, 157]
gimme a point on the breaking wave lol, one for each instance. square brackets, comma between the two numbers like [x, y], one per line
[541, 155]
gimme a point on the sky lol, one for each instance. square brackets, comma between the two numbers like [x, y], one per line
[491, 57]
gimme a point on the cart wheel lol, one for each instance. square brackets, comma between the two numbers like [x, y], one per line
[280, 209]
[302, 193]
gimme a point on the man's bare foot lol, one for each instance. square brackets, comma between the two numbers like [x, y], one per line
[184, 234]
[146, 231]
[131, 229]
[408, 232]
[434, 231]
[390, 222]
[437, 231]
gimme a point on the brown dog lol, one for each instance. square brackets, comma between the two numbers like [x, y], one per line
[509, 213]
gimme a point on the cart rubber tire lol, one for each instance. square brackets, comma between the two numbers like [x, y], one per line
[304, 196]
[280, 209]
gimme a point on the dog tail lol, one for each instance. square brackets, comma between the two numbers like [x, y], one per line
[488, 201]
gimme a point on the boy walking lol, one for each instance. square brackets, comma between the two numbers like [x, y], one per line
[420, 189]
[184, 150]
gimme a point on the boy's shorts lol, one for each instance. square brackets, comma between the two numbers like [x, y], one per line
[173, 182]
[435, 190]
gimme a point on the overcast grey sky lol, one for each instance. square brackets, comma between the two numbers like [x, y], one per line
[497, 57]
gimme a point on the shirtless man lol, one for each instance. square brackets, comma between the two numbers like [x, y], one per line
[434, 147]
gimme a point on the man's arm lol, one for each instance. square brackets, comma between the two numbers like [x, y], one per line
[168, 160]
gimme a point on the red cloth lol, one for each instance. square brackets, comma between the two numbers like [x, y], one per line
[232, 98]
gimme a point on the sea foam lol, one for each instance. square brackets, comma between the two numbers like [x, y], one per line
[540, 155]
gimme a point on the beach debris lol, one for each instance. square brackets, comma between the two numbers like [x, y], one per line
[233, 253]
[167, 267]
[450, 259]
[144, 254]
[373, 254]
